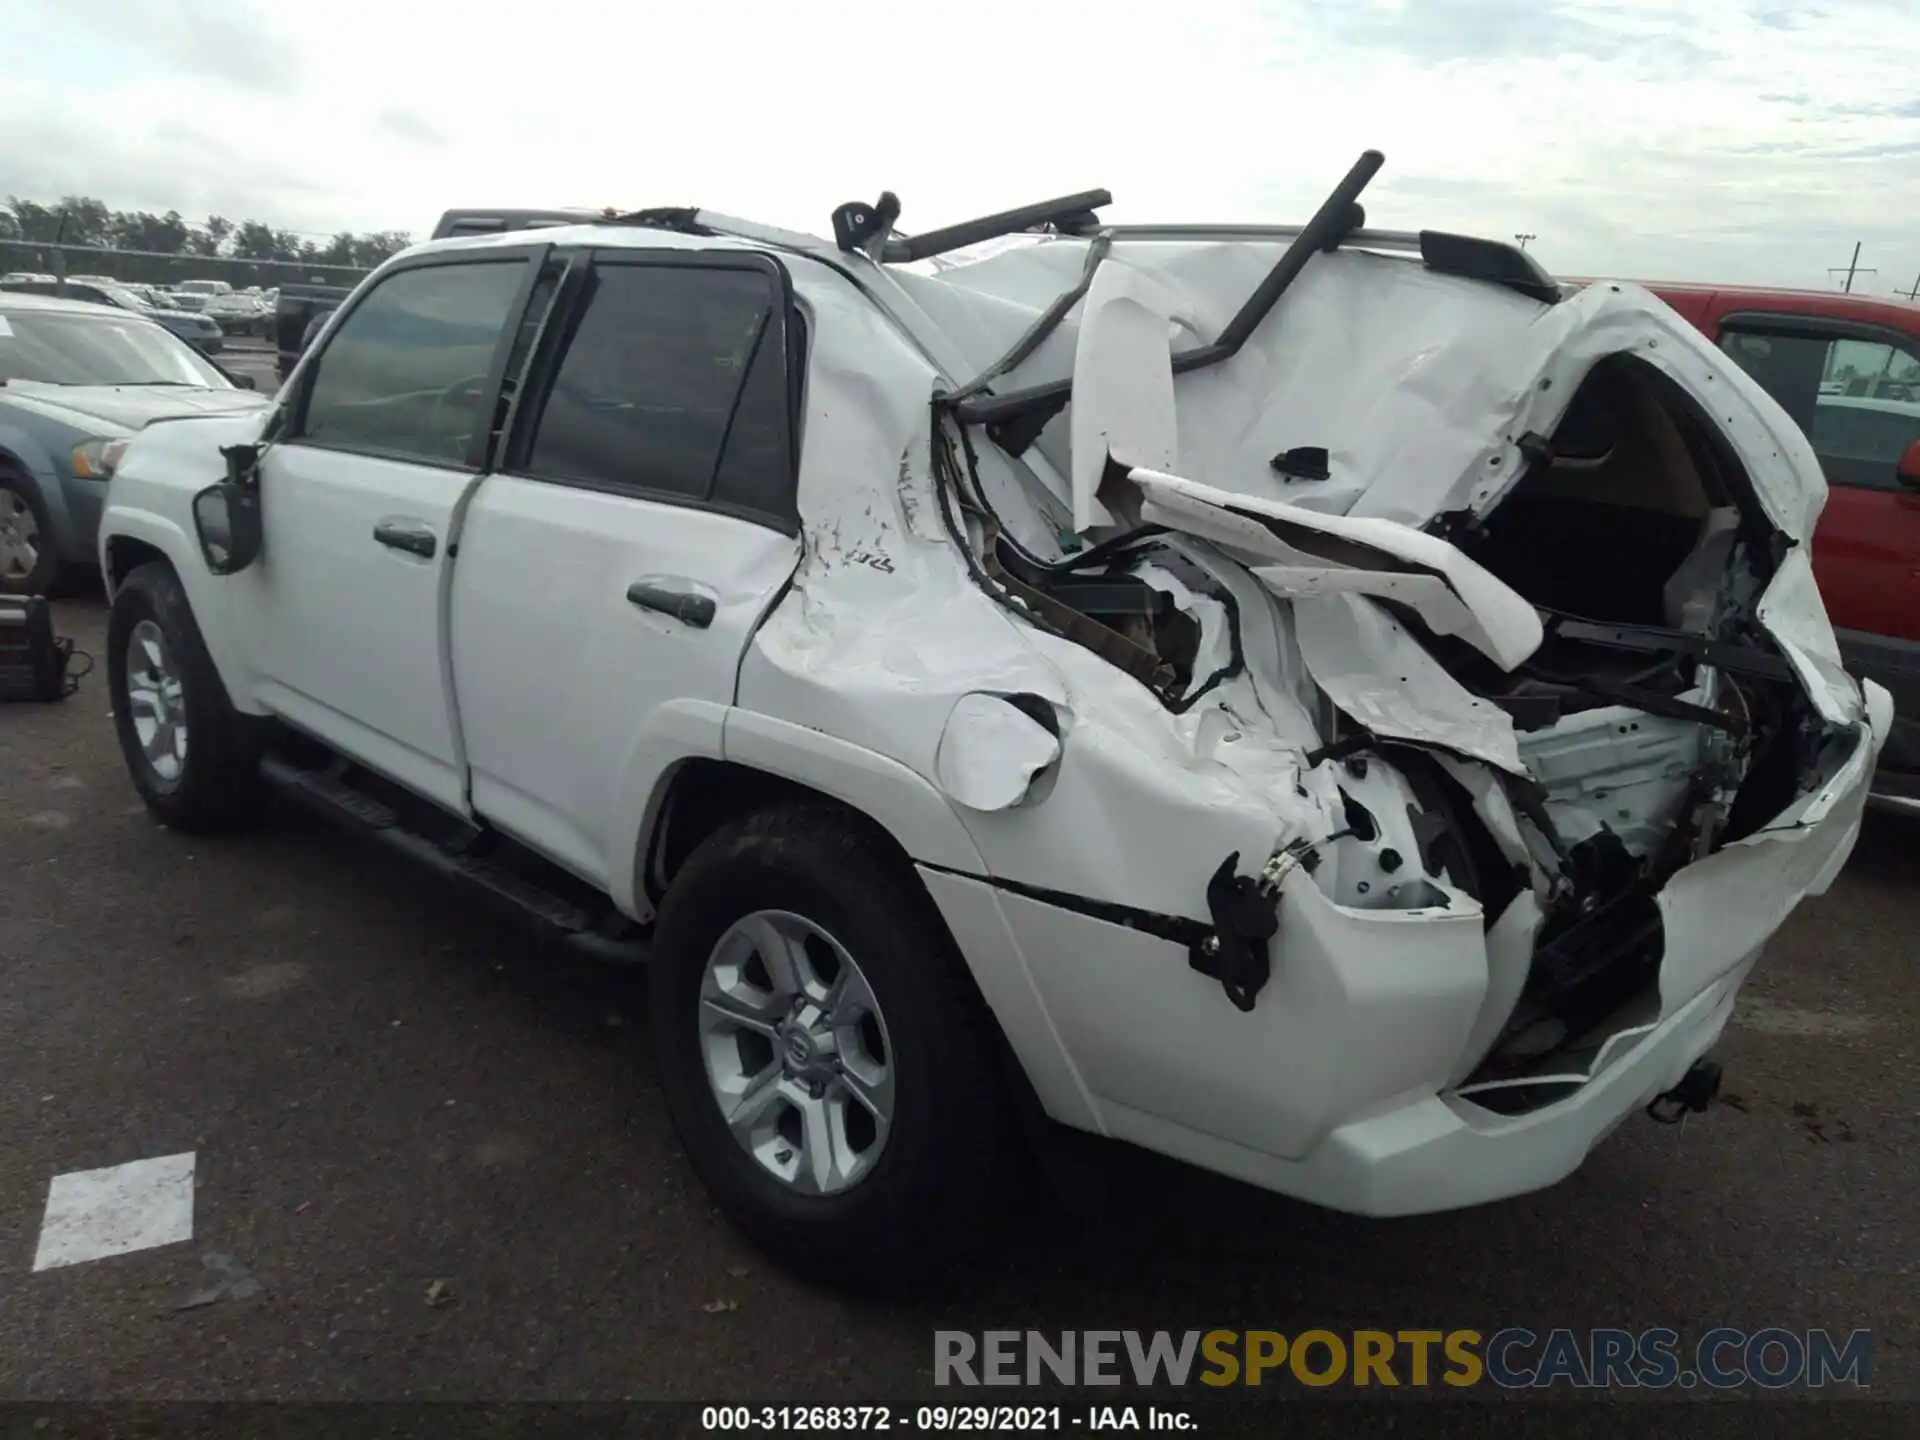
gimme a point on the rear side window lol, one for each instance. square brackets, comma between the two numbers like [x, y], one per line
[674, 384]
[1857, 399]
[406, 373]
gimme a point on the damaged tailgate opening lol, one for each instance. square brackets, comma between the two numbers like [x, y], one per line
[1566, 693]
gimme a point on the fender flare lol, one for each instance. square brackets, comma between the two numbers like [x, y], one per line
[921, 821]
[894, 796]
[901, 801]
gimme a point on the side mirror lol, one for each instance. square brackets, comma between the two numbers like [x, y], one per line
[1907, 472]
[226, 517]
[244, 382]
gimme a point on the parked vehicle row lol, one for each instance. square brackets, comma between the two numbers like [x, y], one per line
[200, 331]
[224, 310]
[1327, 705]
[76, 380]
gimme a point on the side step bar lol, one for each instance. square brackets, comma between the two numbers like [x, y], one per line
[328, 795]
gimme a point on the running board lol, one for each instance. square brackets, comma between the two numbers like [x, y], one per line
[329, 794]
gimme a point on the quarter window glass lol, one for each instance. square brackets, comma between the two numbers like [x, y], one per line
[406, 373]
[673, 376]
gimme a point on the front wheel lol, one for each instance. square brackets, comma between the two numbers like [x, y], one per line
[193, 759]
[829, 1066]
[27, 561]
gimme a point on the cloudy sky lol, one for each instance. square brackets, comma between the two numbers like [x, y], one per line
[1738, 140]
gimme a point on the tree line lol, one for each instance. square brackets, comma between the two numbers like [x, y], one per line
[84, 220]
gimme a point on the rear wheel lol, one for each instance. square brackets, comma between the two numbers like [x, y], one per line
[194, 760]
[27, 561]
[828, 1064]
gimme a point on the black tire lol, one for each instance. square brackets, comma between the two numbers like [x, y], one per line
[40, 579]
[218, 785]
[927, 1199]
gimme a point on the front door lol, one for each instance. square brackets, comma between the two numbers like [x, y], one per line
[386, 434]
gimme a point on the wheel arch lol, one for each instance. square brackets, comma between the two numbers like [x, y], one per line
[764, 762]
[131, 538]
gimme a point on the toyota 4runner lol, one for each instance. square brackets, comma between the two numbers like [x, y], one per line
[1319, 703]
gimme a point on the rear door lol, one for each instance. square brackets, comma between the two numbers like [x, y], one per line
[641, 524]
[385, 437]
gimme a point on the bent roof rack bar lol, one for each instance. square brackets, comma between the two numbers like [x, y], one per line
[1338, 217]
[1067, 211]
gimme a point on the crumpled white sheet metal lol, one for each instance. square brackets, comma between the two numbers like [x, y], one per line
[1489, 614]
[1417, 384]
[1386, 680]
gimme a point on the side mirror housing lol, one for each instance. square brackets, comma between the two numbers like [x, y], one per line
[226, 517]
[1907, 472]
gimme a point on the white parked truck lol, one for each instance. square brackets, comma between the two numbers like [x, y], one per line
[1105, 674]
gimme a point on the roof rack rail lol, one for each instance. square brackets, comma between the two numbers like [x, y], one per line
[856, 224]
[495, 222]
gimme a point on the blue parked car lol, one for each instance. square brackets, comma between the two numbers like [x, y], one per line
[75, 381]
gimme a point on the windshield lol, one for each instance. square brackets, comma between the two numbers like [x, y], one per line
[123, 297]
[74, 349]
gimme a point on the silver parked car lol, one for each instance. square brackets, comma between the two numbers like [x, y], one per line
[76, 380]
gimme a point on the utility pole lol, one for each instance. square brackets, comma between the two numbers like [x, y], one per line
[1523, 239]
[1853, 269]
[1912, 292]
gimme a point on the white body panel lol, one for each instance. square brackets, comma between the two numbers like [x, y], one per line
[558, 674]
[343, 633]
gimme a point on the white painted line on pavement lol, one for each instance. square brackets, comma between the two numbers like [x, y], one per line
[92, 1214]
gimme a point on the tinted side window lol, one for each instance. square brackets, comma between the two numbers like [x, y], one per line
[674, 380]
[1858, 400]
[406, 373]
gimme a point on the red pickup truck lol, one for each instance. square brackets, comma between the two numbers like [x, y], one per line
[1847, 369]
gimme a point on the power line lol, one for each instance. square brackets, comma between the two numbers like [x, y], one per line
[1851, 269]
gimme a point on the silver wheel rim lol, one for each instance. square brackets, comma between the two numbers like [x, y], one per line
[796, 1052]
[19, 537]
[157, 704]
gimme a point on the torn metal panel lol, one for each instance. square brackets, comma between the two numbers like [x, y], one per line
[1419, 386]
[1388, 683]
[1793, 614]
[1720, 910]
[1484, 611]
[1123, 409]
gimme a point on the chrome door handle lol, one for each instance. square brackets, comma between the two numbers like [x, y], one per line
[407, 535]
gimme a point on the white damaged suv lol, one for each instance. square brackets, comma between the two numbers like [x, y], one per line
[1319, 703]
